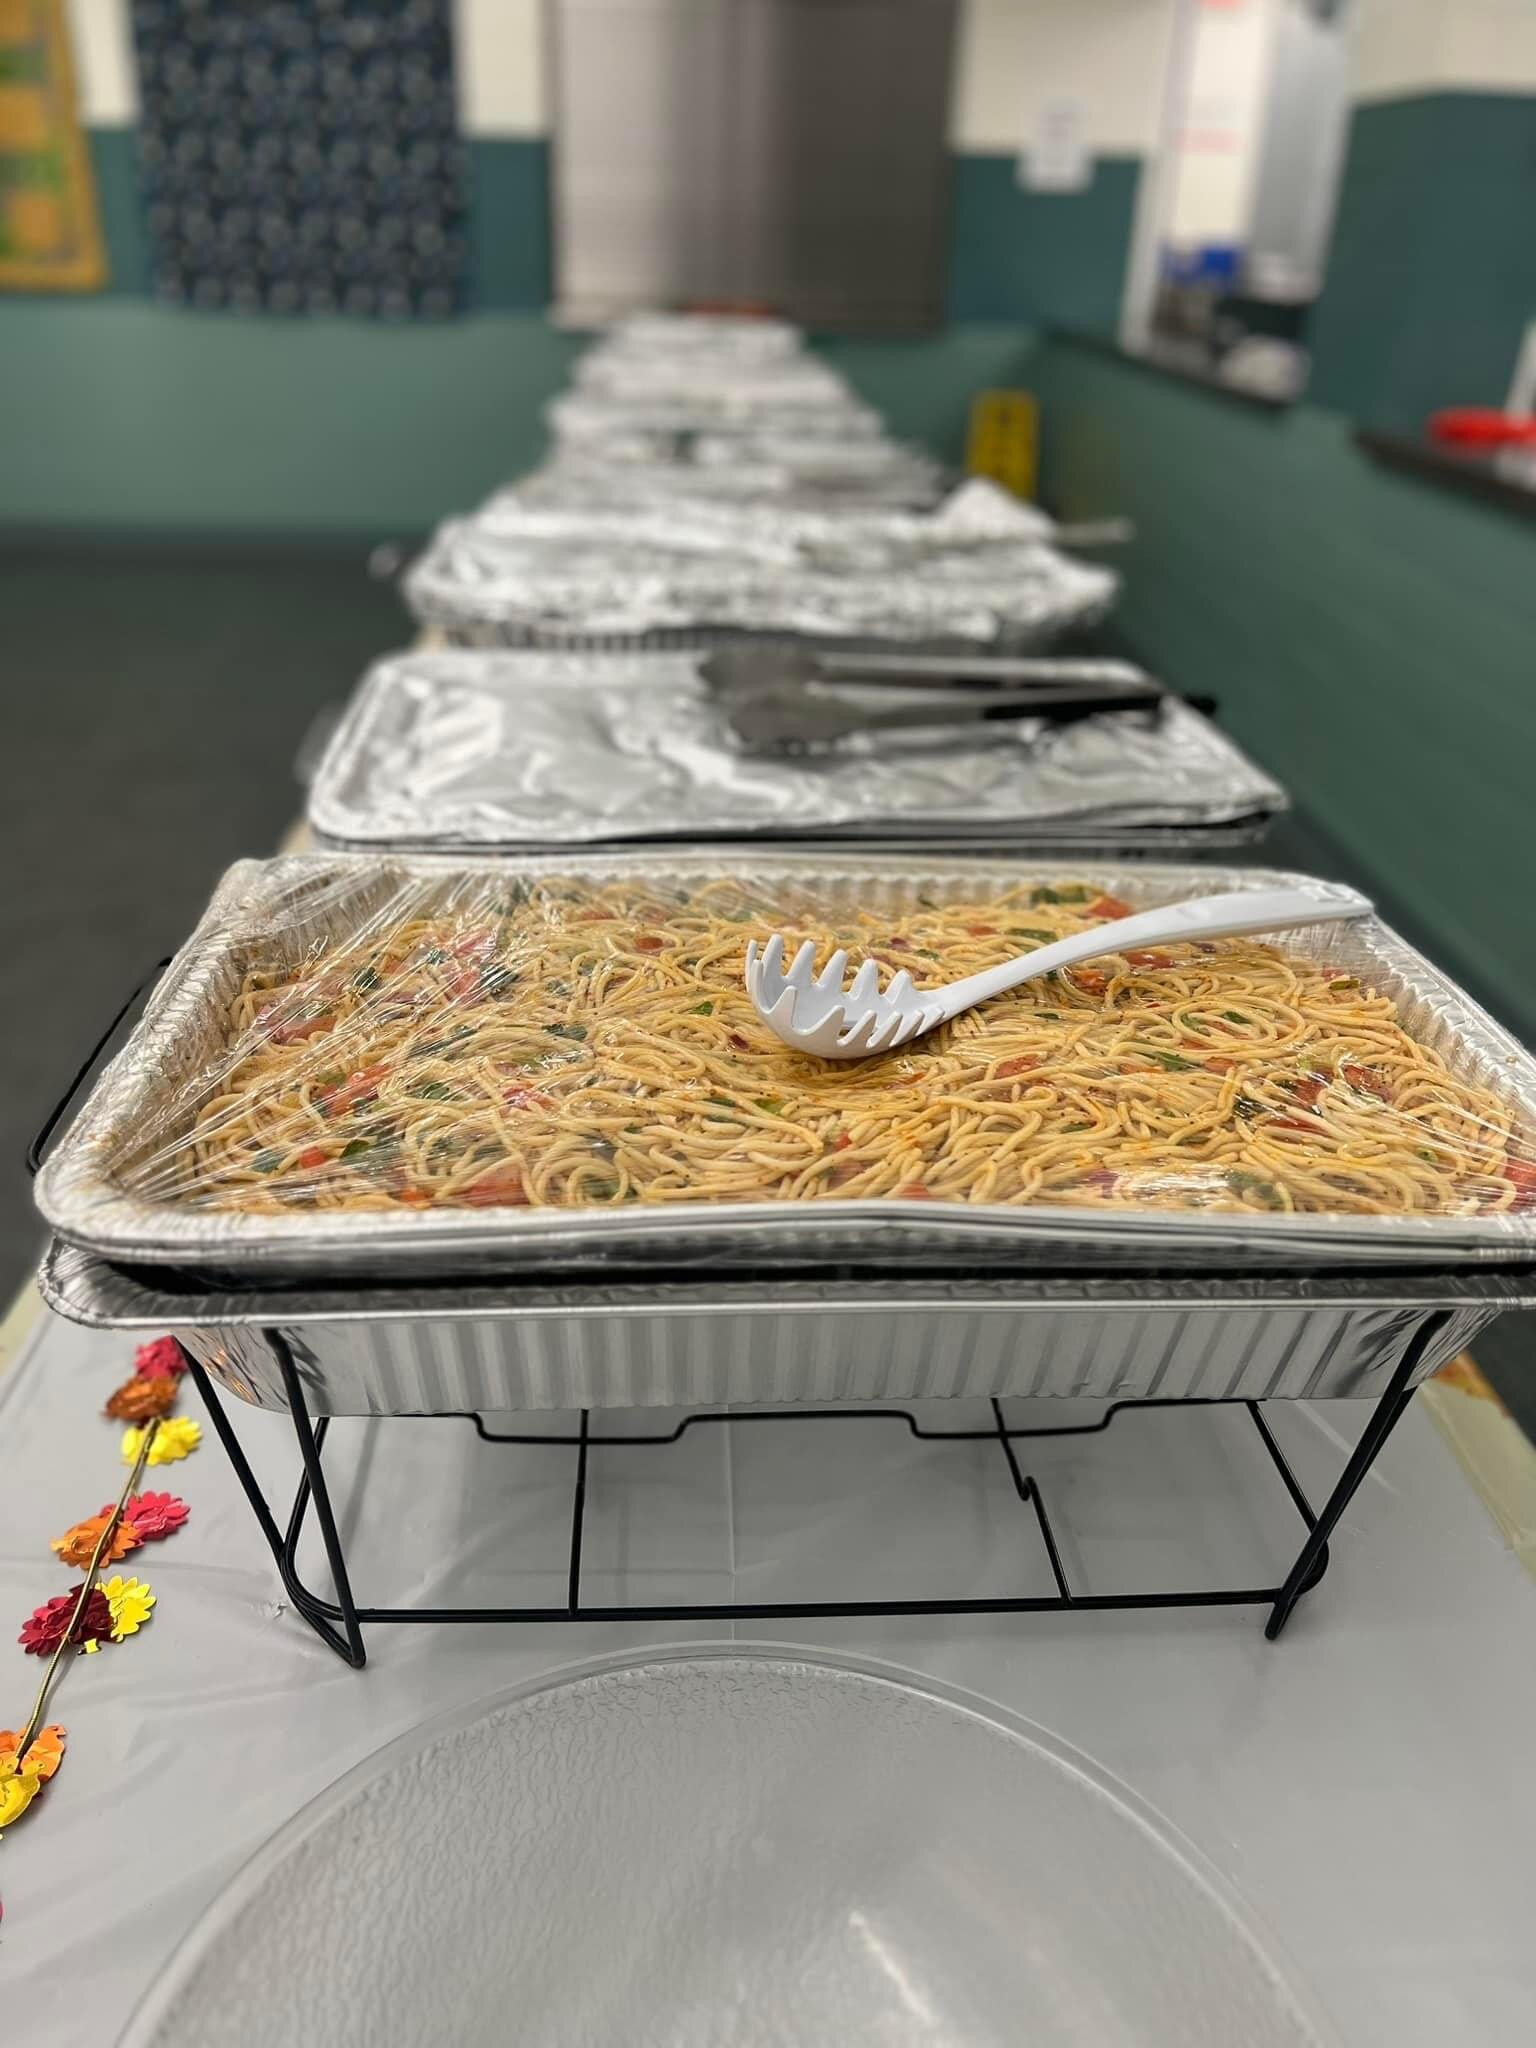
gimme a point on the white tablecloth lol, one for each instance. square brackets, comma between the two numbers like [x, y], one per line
[1368, 1784]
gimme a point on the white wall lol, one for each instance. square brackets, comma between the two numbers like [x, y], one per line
[1013, 55]
[106, 83]
[1404, 47]
[1215, 153]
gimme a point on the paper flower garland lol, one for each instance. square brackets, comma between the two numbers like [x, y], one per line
[177, 1437]
[46, 1627]
[90, 1614]
[140, 1399]
[155, 1515]
[77, 1546]
[131, 1602]
[162, 1360]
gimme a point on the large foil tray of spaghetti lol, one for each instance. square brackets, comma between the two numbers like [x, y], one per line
[379, 1350]
[414, 1065]
[478, 583]
[507, 749]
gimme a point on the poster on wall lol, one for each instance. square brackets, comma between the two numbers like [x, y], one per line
[50, 236]
[302, 159]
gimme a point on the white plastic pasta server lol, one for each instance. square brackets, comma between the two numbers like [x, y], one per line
[816, 1013]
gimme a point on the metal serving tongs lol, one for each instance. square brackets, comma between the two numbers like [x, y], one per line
[781, 699]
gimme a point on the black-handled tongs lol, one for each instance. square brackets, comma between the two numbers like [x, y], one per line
[777, 698]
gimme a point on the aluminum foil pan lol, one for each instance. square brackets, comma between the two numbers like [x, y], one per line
[598, 416]
[974, 521]
[733, 337]
[448, 750]
[397, 1351]
[579, 483]
[551, 593]
[280, 909]
[705, 383]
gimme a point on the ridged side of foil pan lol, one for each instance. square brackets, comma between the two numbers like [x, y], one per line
[397, 1352]
[258, 908]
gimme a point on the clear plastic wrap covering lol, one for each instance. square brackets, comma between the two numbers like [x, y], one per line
[413, 1060]
[507, 749]
[597, 416]
[1009, 594]
[978, 516]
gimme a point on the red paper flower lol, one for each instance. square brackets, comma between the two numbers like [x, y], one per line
[164, 1359]
[155, 1515]
[44, 1629]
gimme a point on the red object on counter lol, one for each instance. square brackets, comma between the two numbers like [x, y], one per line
[1481, 426]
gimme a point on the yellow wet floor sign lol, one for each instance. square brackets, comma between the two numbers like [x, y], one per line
[1004, 440]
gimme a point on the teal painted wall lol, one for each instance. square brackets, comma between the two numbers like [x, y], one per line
[141, 415]
[1368, 636]
[1432, 275]
[1043, 258]
[509, 254]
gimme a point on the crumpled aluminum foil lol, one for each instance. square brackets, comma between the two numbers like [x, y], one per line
[596, 588]
[979, 515]
[488, 749]
[597, 416]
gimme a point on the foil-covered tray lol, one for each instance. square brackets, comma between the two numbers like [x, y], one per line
[707, 383]
[586, 416]
[472, 579]
[423, 1351]
[977, 519]
[459, 749]
[730, 337]
[274, 914]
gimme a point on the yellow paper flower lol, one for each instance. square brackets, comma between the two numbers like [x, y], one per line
[177, 1437]
[130, 1601]
[18, 1789]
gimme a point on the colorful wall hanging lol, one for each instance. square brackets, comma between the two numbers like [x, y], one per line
[50, 237]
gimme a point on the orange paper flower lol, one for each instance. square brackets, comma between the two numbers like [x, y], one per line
[77, 1546]
[139, 1400]
[45, 1752]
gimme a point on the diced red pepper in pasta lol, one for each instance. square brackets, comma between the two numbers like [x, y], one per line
[1101, 1180]
[474, 946]
[526, 1098]
[359, 1087]
[1306, 1089]
[649, 942]
[982, 931]
[1521, 1175]
[501, 1188]
[841, 1142]
[914, 1191]
[1220, 1065]
[1021, 1063]
[414, 1198]
[313, 1156]
[1107, 906]
[1090, 981]
[1292, 1123]
[734, 1038]
[1367, 1080]
[293, 1030]
[1149, 958]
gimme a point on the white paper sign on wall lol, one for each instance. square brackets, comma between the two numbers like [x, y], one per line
[1056, 157]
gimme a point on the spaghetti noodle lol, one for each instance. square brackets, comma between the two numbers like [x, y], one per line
[572, 1044]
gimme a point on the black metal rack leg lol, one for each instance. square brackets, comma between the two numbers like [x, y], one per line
[339, 1621]
[1385, 1416]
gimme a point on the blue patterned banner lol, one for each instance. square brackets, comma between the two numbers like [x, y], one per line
[302, 158]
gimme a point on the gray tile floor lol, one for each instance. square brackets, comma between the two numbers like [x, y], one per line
[154, 699]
